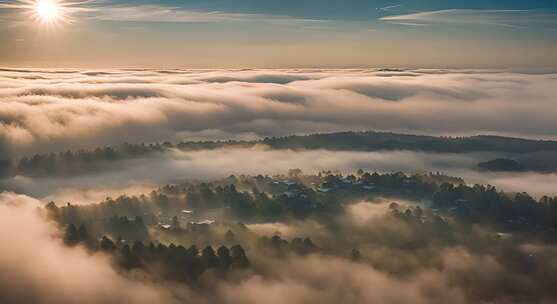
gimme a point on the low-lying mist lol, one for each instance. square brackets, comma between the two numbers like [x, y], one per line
[142, 175]
[402, 261]
[36, 267]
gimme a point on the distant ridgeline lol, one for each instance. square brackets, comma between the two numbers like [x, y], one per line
[375, 141]
[75, 162]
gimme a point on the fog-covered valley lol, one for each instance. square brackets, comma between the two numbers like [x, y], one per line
[141, 175]
[214, 186]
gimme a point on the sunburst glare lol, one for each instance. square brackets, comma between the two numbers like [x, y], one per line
[51, 12]
[47, 10]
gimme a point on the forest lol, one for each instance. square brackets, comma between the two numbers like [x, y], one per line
[229, 229]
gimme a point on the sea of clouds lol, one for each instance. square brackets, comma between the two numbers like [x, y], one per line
[45, 111]
[54, 110]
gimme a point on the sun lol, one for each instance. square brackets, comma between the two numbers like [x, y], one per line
[51, 13]
[47, 10]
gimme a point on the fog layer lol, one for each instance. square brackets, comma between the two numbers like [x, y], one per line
[35, 266]
[142, 175]
[55, 110]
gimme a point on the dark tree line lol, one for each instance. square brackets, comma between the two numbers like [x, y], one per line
[293, 197]
[172, 262]
[374, 141]
[279, 247]
[82, 161]
[487, 205]
[125, 219]
[86, 161]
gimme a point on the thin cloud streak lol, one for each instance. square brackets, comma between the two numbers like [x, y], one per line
[160, 13]
[101, 11]
[500, 18]
[390, 7]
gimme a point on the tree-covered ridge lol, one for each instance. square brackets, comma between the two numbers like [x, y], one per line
[87, 161]
[76, 162]
[373, 141]
[260, 198]
[193, 208]
[190, 232]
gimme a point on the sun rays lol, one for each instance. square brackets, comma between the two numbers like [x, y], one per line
[50, 13]
[47, 11]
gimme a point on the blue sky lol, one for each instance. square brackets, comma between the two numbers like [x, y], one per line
[282, 33]
[342, 9]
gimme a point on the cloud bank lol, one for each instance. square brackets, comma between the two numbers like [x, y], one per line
[55, 110]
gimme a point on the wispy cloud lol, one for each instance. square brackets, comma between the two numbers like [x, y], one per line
[502, 18]
[159, 13]
[104, 11]
[16, 12]
[390, 7]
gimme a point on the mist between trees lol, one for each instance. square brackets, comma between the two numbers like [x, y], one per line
[425, 238]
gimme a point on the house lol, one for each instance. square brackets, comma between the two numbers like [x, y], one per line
[164, 226]
[369, 187]
[323, 189]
